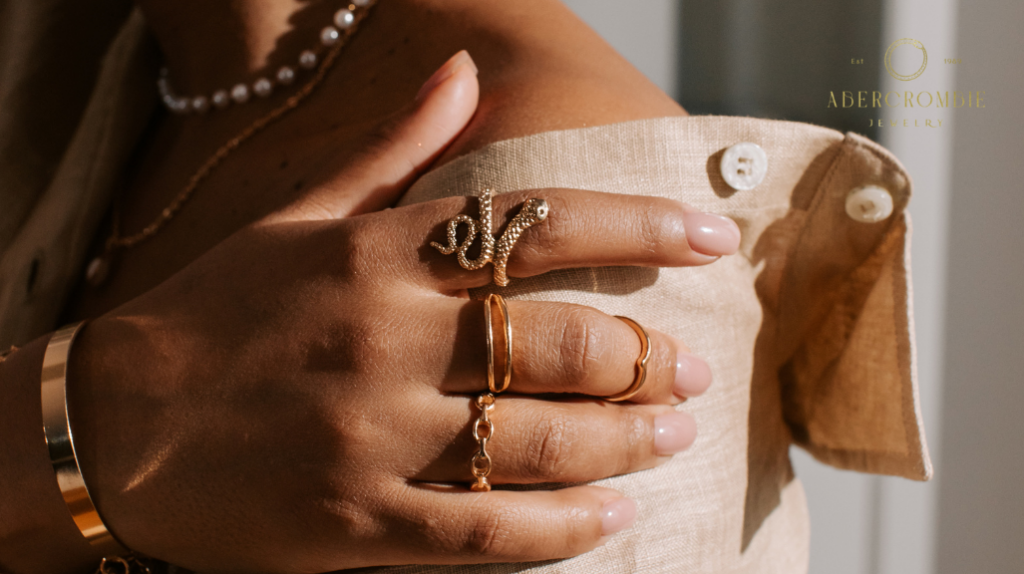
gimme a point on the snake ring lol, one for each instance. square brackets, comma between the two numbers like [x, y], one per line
[534, 211]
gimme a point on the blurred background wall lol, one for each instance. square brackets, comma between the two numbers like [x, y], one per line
[780, 59]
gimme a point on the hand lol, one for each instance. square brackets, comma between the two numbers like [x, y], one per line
[299, 399]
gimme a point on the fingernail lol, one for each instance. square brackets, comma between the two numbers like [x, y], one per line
[711, 234]
[693, 376]
[453, 65]
[673, 432]
[617, 515]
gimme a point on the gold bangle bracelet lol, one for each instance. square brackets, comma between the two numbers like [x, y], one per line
[61, 444]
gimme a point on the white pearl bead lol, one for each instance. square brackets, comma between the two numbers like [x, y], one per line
[307, 59]
[329, 36]
[221, 99]
[262, 87]
[200, 104]
[181, 105]
[98, 271]
[285, 76]
[344, 18]
[164, 85]
[240, 93]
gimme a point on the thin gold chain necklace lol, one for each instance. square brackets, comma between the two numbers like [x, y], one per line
[100, 267]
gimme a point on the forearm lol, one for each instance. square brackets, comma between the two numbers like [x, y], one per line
[36, 530]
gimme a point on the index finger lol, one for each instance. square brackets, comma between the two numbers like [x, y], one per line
[582, 229]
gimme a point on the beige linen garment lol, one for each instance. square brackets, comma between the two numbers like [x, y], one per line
[808, 328]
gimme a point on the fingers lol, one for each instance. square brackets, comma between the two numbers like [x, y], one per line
[582, 229]
[539, 441]
[400, 150]
[565, 348]
[503, 526]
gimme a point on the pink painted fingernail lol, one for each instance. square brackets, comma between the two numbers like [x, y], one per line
[617, 515]
[693, 376]
[446, 71]
[711, 234]
[674, 432]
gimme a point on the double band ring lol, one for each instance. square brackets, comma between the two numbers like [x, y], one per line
[495, 304]
[641, 362]
[534, 211]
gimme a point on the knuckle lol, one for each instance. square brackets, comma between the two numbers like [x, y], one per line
[381, 138]
[635, 431]
[580, 348]
[659, 228]
[538, 244]
[650, 232]
[360, 247]
[356, 344]
[365, 252]
[488, 536]
[549, 453]
[335, 513]
[681, 347]
[662, 365]
[578, 532]
[384, 140]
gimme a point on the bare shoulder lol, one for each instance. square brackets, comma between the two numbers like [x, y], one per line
[541, 67]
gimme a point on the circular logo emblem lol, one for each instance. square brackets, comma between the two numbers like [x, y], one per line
[903, 42]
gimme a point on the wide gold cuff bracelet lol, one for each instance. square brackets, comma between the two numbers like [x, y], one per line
[61, 444]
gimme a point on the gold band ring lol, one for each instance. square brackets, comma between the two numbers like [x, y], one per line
[495, 301]
[641, 362]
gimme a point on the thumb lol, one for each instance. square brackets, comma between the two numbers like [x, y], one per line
[397, 152]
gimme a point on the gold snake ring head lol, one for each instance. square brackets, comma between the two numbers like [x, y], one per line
[538, 207]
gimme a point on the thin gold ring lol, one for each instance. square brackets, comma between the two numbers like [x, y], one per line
[497, 300]
[641, 362]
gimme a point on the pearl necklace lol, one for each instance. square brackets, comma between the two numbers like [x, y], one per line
[99, 268]
[263, 87]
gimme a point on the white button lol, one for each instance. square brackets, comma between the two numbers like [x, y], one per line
[744, 166]
[869, 204]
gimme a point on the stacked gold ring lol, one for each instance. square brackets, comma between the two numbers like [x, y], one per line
[497, 303]
[641, 362]
[483, 431]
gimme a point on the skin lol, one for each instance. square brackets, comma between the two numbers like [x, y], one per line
[541, 70]
[300, 409]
